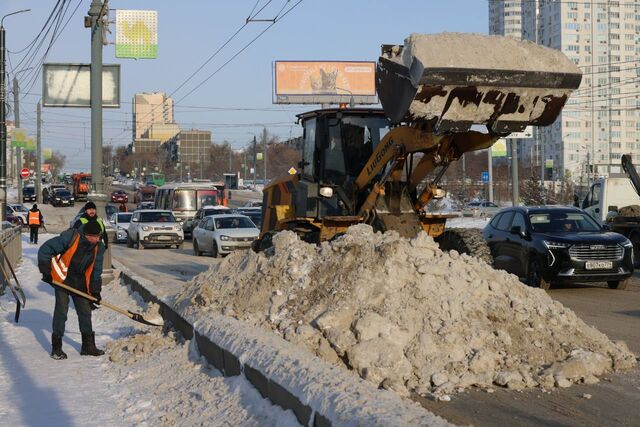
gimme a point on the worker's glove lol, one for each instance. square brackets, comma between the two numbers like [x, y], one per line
[94, 304]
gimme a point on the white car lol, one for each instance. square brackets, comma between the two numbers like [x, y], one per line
[18, 210]
[154, 228]
[222, 234]
[120, 222]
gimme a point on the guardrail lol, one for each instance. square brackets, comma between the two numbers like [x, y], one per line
[11, 242]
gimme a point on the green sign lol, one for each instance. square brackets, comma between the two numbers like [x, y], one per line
[19, 138]
[499, 149]
[30, 145]
[548, 163]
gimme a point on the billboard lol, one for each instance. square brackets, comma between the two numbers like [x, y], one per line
[324, 82]
[499, 149]
[19, 138]
[136, 34]
[68, 85]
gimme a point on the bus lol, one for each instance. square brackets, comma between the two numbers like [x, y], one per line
[184, 199]
[155, 178]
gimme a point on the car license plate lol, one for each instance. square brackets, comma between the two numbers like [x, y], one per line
[598, 265]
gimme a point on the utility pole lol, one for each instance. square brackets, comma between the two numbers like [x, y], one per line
[16, 116]
[255, 159]
[490, 169]
[96, 11]
[38, 153]
[264, 139]
[515, 185]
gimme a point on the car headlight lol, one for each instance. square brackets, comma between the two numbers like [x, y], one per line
[146, 228]
[326, 192]
[627, 244]
[555, 245]
[71, 199]
[177, 227]
[57, 198]
[225, 238]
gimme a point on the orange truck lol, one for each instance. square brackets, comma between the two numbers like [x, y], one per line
[81, 185]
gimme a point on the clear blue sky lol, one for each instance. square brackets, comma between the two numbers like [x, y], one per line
[190, 31]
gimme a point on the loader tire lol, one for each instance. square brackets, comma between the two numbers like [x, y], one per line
[466, 241]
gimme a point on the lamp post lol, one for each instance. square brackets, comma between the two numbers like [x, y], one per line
[3, 119]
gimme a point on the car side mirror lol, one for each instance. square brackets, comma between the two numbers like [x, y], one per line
[134, 219]
[606, 227]
[516, 230]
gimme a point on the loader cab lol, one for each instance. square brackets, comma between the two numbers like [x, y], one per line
[336, 146]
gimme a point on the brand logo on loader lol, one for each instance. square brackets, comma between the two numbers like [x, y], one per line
[379, 156]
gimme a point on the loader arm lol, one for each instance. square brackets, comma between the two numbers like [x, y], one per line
[631, 172]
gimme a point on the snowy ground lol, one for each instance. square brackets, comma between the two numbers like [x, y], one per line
[149, 376]
[467, 222]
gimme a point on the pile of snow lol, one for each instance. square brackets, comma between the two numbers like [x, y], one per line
[405, 315]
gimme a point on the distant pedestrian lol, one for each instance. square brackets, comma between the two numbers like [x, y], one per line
[123, 207]
[91, 214]
[74, 258]
[35, 221]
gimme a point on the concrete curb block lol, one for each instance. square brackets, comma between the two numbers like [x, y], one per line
[319, 394]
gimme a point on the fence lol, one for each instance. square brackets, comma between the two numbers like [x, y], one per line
[12, 244]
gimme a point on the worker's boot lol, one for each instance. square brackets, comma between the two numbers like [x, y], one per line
[89, 345]
[56, 347]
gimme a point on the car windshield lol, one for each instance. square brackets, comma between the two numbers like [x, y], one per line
[63, 193]
[157, 217]
[234, 222]
[19, 208]
[562, 222]
[124, 217]
[29, 190]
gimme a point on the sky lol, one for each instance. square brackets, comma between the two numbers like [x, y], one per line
[235, 102]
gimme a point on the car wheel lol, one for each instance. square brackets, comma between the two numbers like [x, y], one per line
[129, 241]
[466, 241]
[140, 245]
[635, 240]
[618, 284]
[214, 250]
[534, 275]
[196, 249]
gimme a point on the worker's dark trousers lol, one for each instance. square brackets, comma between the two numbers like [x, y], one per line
[62, 307]
[33, 236]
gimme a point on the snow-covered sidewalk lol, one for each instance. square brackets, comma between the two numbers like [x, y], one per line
[147, 377]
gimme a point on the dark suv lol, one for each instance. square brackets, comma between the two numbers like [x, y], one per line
[547, 245]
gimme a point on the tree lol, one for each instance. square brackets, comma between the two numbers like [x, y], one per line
[533, 193]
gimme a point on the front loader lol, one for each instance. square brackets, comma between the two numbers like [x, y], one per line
[442, 95]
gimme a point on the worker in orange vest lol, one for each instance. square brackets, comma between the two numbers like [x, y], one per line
[74, 258]
[35, 221]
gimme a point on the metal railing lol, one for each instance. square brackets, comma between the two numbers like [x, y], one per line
[11, 242]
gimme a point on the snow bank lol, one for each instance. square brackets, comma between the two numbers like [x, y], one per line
[405, 315]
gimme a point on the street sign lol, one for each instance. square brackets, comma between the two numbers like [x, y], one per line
[25, 173]
[292, 171]
[485, 177]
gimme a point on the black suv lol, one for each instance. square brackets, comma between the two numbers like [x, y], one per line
[29, 194]
[61, 197]
[548, 245]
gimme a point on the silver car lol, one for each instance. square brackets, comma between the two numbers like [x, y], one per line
[154, 228]
[222, 234]
[482, 208]
[120, 221]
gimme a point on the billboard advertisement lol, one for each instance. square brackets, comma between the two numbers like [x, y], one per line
[136, 34]
[499, 149]
[68, 85]
[313, 82]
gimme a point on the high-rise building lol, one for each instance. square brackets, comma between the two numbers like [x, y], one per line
[601, 120]
[149, 109]
[505, 17]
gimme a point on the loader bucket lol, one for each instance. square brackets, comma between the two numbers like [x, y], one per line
[458, 80]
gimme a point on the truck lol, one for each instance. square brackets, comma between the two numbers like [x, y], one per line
[442, 95]
[615, 203]
[81, 185]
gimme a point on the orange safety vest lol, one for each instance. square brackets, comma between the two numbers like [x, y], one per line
[60, 263]
[34, 218]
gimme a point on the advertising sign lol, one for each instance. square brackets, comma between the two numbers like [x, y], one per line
[136, 34]
[19, 138]
[548, 163]
[499, 149]
[47, 153]
[313, 82]
[68, 85]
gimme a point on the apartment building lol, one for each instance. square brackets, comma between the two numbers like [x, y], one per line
[149, 109]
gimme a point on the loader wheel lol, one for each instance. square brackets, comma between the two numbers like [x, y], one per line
[466, 241]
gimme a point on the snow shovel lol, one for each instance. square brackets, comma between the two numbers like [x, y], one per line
[13, 291]
[133, 316]
[17, 288]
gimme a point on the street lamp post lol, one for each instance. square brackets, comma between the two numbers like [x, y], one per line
[3, 119]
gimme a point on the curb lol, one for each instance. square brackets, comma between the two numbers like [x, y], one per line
[318, 393]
